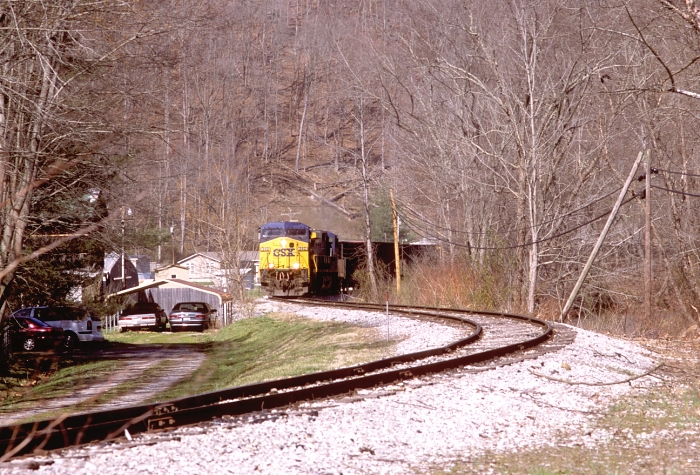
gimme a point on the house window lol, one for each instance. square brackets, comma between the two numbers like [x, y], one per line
[173, 276]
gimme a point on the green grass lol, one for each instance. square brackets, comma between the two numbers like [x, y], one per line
[155, 338]
[273, 347]
[250, 350]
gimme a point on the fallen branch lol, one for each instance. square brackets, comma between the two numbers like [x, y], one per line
[584, 383]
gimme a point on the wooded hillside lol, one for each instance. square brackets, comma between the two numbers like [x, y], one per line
[506, 130]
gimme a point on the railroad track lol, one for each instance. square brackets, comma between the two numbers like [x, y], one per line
[493, 335]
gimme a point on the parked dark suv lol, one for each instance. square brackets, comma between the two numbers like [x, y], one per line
[77, 323]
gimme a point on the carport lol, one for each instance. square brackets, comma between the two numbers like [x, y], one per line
[168, 292]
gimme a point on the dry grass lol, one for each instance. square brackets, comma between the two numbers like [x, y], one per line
[610, 308]
[653, 432]
[437, 283]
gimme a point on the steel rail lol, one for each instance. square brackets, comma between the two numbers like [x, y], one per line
[89, 427]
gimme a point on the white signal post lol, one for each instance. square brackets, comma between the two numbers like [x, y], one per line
[387, 316]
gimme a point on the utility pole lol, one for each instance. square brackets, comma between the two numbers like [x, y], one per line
[647, 241]
[290, 213]
[601, 238]
[128, 213]
[123, 274]
[172, 240]
[396, 241]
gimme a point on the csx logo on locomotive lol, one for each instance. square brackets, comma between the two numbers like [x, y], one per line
[283, 252]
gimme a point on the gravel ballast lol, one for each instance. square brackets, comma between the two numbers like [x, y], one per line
[409, 427]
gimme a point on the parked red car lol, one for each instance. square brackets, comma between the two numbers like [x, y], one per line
[29, 333]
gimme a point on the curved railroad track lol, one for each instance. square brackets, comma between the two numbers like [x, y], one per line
[493, 335]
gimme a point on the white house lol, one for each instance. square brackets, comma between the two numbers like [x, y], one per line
[206, 268]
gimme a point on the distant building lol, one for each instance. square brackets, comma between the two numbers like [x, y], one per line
[204, 268]
[173, 271]
[143, 267]
[112, 280]
[207, 268]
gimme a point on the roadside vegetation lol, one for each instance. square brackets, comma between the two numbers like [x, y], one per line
[463, 282]
[250, 350]
[646, 433]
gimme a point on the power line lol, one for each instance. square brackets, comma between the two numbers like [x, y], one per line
[413, 227]
[417, 216]
[677, 172]
[684, 193]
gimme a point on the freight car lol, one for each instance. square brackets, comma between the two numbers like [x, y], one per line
[297, 260]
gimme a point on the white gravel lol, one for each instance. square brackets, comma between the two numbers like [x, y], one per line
[406, 428]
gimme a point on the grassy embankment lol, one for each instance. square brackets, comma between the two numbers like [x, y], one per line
[248, 351]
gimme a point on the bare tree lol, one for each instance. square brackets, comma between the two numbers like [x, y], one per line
[503, 93]
[51, 117]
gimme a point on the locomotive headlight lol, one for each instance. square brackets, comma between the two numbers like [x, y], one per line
[284, 243]
[271, 265]
[295, 265]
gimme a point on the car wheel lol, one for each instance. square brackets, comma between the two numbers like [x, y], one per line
[124, 330]
[70, 339]
[29, 344]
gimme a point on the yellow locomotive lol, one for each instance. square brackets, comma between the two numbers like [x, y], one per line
[296, 260]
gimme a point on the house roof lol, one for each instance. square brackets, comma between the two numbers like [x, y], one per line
[170, 267]
[214, 256]
[178, 282]
[249, 256]
[111, 259]
[246, 256]
[114, 258]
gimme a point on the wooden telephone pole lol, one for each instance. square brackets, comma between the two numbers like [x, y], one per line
[601, 238]
[396, 241]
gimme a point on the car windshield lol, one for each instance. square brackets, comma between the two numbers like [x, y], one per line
[141, 308]
[55, 314]
[190, 307]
